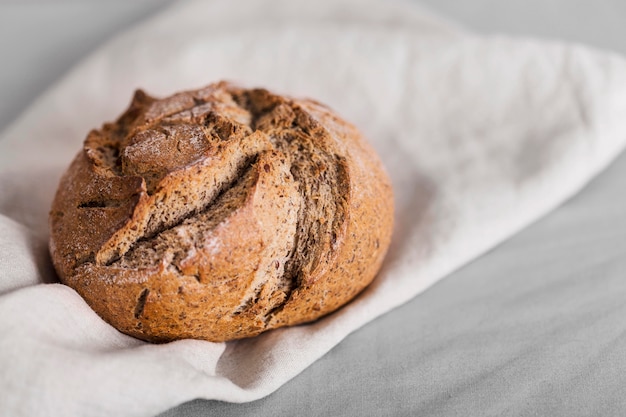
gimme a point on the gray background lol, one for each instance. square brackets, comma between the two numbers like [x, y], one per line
[535, 327]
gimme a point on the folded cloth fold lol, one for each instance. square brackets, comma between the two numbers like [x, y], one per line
[481, 137]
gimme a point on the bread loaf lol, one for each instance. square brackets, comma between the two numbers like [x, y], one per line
[220, 213]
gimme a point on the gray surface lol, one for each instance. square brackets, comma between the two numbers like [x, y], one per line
[41, 40]
[535, 327]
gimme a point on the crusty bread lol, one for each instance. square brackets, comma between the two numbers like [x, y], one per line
[220, 213]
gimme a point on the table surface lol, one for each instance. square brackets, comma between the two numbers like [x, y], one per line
[534, 327]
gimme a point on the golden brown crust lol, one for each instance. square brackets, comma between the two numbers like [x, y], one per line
[220, 213]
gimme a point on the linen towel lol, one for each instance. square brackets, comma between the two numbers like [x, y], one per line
[481, 136]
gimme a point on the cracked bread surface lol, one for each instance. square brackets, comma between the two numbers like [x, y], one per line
[220, 213]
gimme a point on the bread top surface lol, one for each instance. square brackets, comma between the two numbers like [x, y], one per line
[220, 213]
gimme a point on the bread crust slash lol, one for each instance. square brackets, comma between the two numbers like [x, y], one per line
[220, 213]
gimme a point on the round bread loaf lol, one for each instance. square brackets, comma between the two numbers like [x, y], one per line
[220, 213]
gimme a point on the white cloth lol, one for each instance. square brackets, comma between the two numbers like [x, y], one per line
[481, 136]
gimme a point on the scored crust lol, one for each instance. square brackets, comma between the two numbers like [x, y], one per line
[220, 213]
